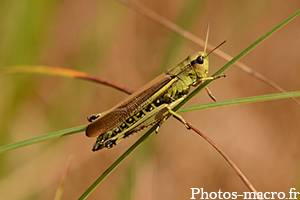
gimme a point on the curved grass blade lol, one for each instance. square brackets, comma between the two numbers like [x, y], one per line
[69, 73]
[42, 138]
[140, 8]
[230, 63]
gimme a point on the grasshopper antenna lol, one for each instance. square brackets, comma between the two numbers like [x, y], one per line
[216, 47]
[206, 39]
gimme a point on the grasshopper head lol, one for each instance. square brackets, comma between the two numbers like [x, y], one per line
[199, 63]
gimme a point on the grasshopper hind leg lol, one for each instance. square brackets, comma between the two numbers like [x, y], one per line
[177, 116]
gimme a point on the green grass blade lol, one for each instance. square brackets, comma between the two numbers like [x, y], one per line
[42, 138]
[245, 100]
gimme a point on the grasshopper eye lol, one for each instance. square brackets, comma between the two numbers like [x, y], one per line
[92, 118]
[198, 60]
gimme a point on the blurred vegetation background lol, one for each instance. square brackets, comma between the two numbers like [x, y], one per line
[108, 39]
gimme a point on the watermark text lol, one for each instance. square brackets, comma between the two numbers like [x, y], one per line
[199, 193]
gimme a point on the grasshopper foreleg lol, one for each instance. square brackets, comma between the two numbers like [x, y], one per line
[206, 88]
[210, 94]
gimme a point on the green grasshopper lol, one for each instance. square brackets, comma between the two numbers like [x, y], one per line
[151, 103]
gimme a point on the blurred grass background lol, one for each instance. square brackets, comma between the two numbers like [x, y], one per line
[108, 39]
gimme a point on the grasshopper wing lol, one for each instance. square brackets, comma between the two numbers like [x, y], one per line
[132, 104]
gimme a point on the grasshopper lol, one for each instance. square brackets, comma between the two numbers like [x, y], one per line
[151, 103]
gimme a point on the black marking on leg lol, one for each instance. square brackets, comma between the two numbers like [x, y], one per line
[140, 114]
[110, 143]
[158, 102]
[117, 130]
[130, 120]
[124, 125]
[149, 108]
